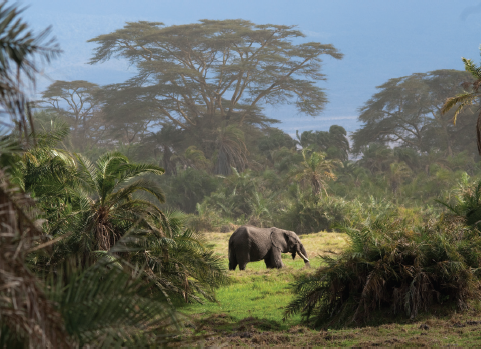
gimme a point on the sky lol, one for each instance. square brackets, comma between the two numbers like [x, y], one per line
[380, 40]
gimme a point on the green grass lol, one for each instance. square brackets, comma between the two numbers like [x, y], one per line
[260, 294]
[249, 311]
[316, 244]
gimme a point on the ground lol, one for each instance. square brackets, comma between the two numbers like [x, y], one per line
[249, 311]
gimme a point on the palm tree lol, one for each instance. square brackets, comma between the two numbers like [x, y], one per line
[30, 314]
[231, 149]
[103, 205]
[71, 306]
[18, 47]
[103, 217]
[398, 172]
[338, 143]
[27, 316]
[376, 157]
[316, 170]
[467, 98]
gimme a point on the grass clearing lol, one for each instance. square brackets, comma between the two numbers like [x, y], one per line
[316, 245]
[249, 310]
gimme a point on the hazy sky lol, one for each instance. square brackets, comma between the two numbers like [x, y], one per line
[380, 40]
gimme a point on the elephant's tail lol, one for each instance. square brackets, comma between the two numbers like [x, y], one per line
[231, 249]
[232, 256]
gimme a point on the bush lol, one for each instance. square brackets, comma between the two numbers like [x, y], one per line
[391, 265]
[207, 219]
[465, 203]
[308, 214]
[189, 187]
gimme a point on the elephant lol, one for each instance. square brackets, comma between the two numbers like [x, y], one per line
[251, 244]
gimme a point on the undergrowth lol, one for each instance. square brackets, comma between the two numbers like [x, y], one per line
[249, 310]
[391, 264]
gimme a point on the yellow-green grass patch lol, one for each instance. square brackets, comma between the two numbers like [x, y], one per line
[316, 244]
[260, 292]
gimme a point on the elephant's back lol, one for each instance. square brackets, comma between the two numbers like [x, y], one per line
[239, 234]
[256, 240]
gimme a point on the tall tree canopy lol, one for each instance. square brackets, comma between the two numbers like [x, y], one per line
[76, 102]
[214, 73]
[334, 142]
[407, 112]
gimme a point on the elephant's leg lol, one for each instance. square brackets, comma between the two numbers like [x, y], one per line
[232, 261]
[243, 258]
[242, 266]
[275, 260]
[268, 261]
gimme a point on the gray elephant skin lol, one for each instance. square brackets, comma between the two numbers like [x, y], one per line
[251, 244]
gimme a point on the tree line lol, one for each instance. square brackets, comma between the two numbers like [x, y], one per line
[96, 178]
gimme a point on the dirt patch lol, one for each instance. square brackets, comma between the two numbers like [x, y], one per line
[223, 330]
[213, 322]
[259, 324]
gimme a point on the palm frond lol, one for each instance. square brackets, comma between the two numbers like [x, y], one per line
[88, 173]
[129, 171]
[462, 100]
[471, 67]
[27, 315]
[141, 184]
[106, 306]
[18, 47]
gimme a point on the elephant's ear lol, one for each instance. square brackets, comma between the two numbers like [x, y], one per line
[290, 240]
[279, 238]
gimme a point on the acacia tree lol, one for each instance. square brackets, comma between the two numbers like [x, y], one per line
[77, 103]
[129, 118]
[407, 111]
[213, 74]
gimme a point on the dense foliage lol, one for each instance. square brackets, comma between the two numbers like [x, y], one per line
[95, 247]
[391, 264]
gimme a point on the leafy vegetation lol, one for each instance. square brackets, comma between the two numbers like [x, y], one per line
[389, 265]
[110, 194]
[250, 310]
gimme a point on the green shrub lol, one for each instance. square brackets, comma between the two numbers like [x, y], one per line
[309, 214]
[465, 203]
[391, 265]
[207, 219]
[189, 187]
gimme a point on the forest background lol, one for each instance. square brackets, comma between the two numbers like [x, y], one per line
[351, 81]
[196, 108]
[125, 176]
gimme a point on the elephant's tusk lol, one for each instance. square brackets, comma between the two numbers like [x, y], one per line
[303, 257]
